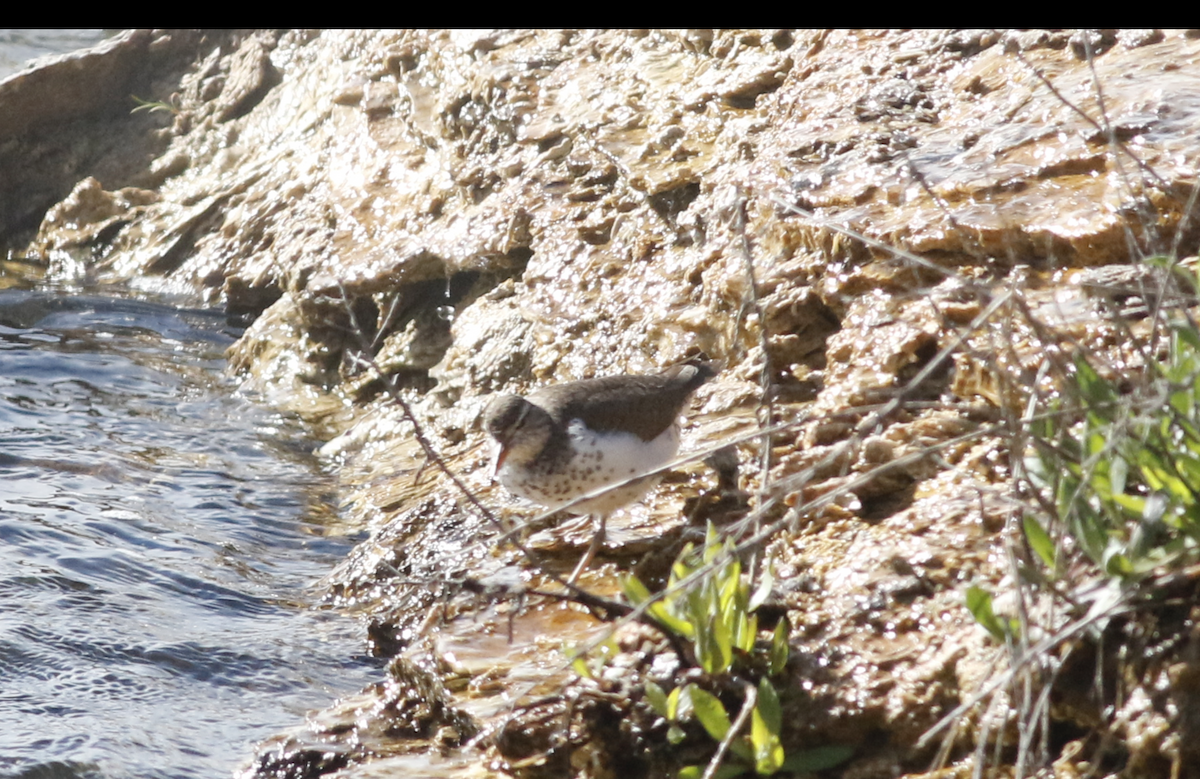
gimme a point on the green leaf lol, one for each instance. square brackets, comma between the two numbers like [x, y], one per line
[1189, 468]
[722, 645]
[679, 569]
[730, 586]
[779, 646]
[768, 705]
[1039, 541]
[711, 713]
[1118, 473]
[817, 759]
[740, 747]
[712, 543]
[979, 603]
[673, 704]
[635, 592]
[746, 633]
[656, 698]
[726, 771]
[675, 734]
[713, 649]
[1118, 564]
[580, 666]
[1188, 335]
[768, 751]
[766, 722]
[1097, 392]
[763, 591]
[1131, 503]
[679, 627]
[1089, 530]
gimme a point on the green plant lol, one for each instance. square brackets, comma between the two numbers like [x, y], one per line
[156, 105]
[715, 612]
[1123, 473]
[1115, 467]
[979, 603]
[708, 602]
[1112, 480]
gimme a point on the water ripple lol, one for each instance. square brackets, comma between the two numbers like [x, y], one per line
[158, 539]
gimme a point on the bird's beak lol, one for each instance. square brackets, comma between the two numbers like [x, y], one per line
[498, 456]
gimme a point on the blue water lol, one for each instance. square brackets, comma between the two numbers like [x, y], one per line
[159, 539]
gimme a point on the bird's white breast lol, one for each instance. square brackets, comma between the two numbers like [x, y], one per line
[598, 460]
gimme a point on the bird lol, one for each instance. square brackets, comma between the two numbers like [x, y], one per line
[566, 441]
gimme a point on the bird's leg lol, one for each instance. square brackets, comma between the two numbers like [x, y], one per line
[574, 525]
[599, 521]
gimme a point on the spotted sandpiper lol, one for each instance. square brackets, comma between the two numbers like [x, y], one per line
[566, 441]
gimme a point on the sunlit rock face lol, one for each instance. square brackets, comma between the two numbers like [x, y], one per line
[838, 216]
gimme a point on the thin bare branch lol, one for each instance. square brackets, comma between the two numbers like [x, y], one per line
[734, 729]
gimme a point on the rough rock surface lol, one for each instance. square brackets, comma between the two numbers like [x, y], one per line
[886, 236]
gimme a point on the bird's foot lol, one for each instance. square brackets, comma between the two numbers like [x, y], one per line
[593, 547]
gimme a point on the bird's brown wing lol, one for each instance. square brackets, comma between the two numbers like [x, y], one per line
[643, 405]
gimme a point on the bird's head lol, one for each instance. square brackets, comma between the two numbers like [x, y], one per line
[520, 428]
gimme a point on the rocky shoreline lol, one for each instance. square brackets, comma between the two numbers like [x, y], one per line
[882, 234]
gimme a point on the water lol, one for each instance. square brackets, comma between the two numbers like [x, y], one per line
[17, 47]
[159, 537]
